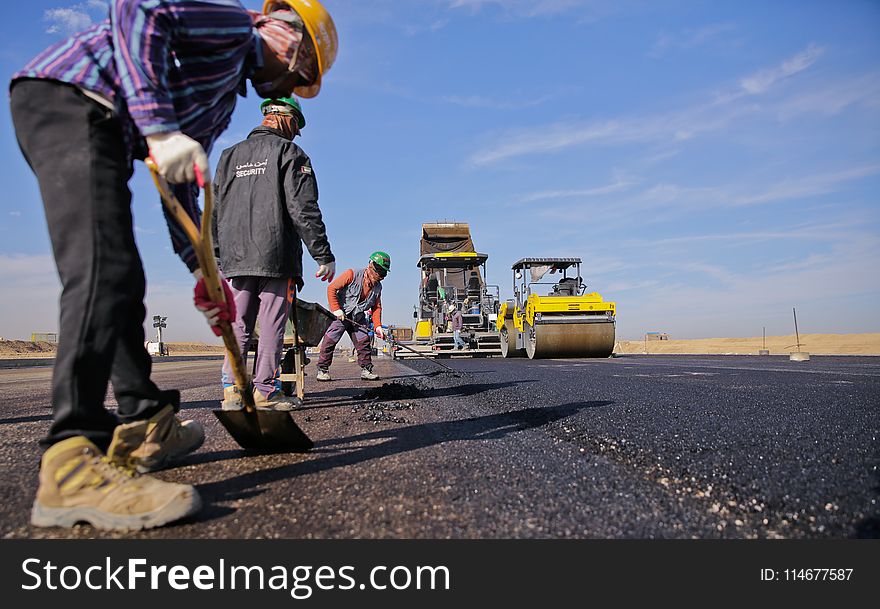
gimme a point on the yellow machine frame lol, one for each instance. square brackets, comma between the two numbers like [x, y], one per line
[530, 312]
[588, 303]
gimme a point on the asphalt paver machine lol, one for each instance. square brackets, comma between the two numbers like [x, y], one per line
[454, 274]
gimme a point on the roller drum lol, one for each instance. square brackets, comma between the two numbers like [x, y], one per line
[549, 340]
[508, 341]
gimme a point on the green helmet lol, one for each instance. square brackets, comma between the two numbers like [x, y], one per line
[382, 260]
[296, 110]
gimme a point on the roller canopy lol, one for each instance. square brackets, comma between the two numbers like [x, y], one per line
[556, 263]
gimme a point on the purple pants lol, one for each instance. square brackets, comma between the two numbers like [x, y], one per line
[359, 338]
[263, 300]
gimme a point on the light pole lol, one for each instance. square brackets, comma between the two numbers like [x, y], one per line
[159, 323]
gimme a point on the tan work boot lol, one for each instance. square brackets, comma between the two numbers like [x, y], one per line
[78, 483]
[149, 445]
[367, 374]
[231, 399]
[275, 401]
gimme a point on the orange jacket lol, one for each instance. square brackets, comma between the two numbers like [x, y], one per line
[343, 281]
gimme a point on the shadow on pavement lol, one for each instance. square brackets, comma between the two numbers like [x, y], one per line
[357, 395]
[396, 441]
[27, 419]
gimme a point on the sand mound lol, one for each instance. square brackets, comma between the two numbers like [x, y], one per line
[26, 348]
[194, 349]
[16, 349]
[817, 344]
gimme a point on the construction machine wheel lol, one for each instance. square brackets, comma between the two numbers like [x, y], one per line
[508, 341]
[550, 340]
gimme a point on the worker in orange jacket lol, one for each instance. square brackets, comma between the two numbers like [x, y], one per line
[350, 296]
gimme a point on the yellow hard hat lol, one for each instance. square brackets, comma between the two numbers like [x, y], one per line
[320, 26]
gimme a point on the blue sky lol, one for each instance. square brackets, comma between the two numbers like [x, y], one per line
[714, 164]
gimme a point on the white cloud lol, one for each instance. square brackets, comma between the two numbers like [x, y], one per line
[618, 185]
[66, 20]
[662, 203]
[15, 214]
[549, 138]
[812, 233]
[479, 101]
[526, 8]
[805, 186]
[832, 98]
[762, 80]
[690, 38]
[671, 127]
[74, 18]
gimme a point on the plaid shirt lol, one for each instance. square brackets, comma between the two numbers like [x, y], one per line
[166, 65]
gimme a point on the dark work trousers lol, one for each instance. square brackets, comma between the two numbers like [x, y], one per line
[76, 149]
[359, 338]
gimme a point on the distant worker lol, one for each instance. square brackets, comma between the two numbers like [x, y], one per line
[350, 296]
[266, 206]
[157, 78]
[457, 322]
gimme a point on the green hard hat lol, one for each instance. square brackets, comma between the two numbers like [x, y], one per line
[286, 101]
[382, 260]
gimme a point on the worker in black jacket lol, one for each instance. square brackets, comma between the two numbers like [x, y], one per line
[266, 207]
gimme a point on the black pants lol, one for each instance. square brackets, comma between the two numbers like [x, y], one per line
[76, 149]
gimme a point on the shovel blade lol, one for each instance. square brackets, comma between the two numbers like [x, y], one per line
[264, 430]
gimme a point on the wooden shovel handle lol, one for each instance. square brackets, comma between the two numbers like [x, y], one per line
[203, 244]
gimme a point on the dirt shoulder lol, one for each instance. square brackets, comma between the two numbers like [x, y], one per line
[817, 344]
[21, 349]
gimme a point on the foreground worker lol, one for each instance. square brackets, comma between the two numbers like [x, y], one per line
[83, 110]
[266, 206]
[350, 296]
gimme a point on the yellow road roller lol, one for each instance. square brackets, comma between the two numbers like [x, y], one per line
[561, 321]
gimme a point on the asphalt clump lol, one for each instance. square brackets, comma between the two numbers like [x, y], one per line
[393, 391]
[384, 403]
[382, 412]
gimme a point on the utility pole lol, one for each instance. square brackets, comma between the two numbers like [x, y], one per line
[797, 356]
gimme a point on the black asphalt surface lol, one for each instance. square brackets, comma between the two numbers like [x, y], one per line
[630, 447]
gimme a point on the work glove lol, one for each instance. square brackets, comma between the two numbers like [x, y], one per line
[380, 332]
[326, 271]
[177, 156]
[214, 311]
[339, 314]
